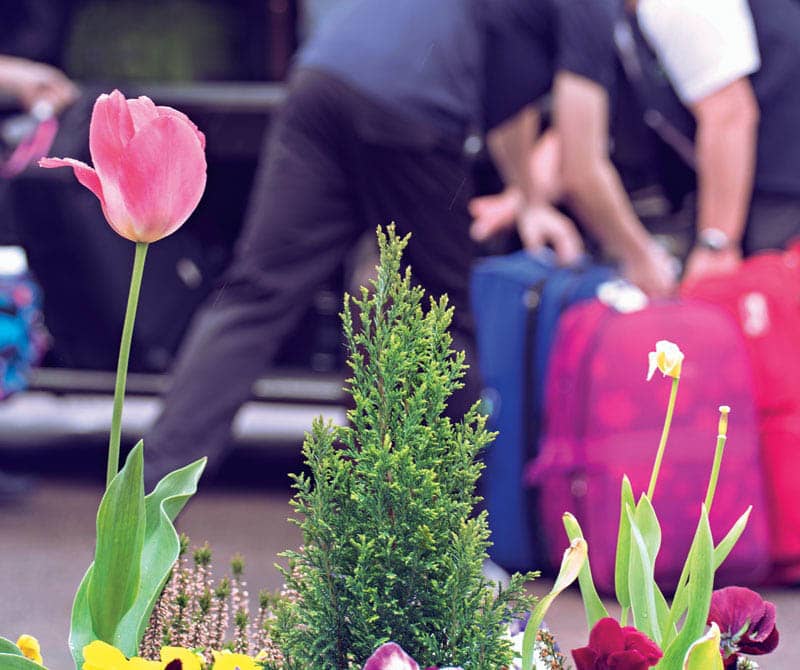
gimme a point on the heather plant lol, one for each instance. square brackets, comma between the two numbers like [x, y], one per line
[392, 546]
[195, 613]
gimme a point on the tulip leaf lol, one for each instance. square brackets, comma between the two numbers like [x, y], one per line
[623, 546]
[721, 551]
[698, 589]
[120, 538]
[8, 647]
[592, 605]
[643, 600]
[704, 653]
[161, 549]
[647, 522]
[18, 662]
[728, 542]
[154, 559]
[571, 565]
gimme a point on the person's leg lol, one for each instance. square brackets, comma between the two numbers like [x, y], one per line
[425, 192]
[300, 226]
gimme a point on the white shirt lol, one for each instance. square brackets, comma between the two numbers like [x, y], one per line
[703, 45]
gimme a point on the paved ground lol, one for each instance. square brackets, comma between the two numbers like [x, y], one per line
[46, 544]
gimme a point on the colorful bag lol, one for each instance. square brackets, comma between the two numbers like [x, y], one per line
[23, 337]
[603, 420]
[763, 296]
[517, 300]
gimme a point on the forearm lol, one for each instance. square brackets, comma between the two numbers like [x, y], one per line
[510, 146]
[725, 167]
[597, 197]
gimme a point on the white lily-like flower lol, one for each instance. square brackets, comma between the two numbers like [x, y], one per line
[668, 358]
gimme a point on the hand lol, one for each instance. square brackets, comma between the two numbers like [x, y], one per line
[542, 225]
[493, 214]
[705, 262]
[654, 271]
[36, 83]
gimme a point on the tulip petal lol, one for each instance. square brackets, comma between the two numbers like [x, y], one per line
[163, 179]
[85, 175]
[169, 111]
[110, 130]
[143, 110]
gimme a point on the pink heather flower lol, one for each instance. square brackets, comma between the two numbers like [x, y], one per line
[746, 622]
[612, 647]
[149, 166]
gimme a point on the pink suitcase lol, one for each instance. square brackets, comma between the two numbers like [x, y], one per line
[604, 420]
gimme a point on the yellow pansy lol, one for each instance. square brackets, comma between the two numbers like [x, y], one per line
[229, 661]
[137, 663]
[29, 646]
[667, 358]
[102, 656]
[189, 659]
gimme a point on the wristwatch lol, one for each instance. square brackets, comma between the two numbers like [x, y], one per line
[713, 239]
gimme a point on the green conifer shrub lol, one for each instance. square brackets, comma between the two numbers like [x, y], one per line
[391, 547]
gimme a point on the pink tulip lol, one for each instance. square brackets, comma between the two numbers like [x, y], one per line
[149, 166]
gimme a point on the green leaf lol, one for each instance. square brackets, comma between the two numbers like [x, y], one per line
[643, 601]
[698, 589]
[161, 548]
[8, 647]
[704, 654]
[593, 606]
[117, 558]
[571, 565]
[17, 662]
[728, 542]
[154, 560]
[623, 546]
[721, 552]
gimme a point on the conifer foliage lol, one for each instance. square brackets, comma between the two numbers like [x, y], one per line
[391, 547]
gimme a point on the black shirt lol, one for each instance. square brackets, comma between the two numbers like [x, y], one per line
[463, 64]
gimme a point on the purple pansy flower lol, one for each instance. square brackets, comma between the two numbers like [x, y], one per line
[746, 622]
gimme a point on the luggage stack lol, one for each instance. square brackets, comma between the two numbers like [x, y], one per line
[564, 385]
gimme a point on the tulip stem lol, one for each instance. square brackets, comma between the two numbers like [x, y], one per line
[651, 489]
[722, 433]
[122, 363]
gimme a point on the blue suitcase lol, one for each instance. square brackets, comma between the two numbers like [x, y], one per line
[517, 300]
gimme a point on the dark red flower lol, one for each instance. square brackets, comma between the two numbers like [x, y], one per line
[612, 647]
[746, 622]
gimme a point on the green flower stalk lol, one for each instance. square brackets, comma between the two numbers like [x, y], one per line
[722, 436]
[115, 436]
[667, 358]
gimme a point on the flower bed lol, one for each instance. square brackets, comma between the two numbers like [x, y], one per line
[390, 566]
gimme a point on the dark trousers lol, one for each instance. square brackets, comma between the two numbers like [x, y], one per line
[336, 164]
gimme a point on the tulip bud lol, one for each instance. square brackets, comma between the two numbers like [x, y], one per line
[149, 166]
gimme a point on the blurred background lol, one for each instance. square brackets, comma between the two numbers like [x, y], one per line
[223, 63]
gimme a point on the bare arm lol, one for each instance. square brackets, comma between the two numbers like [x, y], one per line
[33, 82]
[530, 173]
[727, 129]
[593, 188]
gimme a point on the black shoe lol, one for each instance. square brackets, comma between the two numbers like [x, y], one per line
[13, 488]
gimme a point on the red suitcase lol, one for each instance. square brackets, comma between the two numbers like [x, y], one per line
[764, 298]
[603, 420]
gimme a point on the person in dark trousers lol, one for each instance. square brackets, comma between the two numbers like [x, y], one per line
[386, 102]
